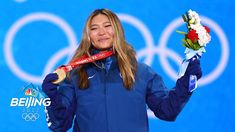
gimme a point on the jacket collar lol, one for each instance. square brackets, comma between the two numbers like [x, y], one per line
[108, 63]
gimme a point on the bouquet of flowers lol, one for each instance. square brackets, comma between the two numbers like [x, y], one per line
[195, 40]
[198, 35]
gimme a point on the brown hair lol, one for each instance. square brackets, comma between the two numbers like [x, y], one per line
[125, 54]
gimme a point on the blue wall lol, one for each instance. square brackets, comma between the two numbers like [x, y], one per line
[36, 36]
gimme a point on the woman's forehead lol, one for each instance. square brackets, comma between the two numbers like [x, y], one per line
[100, 19]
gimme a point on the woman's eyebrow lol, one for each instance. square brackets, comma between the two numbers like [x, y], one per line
[102, 23]
[107, 22]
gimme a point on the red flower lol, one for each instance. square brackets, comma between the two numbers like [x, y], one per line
[207, 29]
[192, 35]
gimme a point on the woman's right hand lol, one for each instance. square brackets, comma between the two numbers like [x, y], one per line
[49, 88]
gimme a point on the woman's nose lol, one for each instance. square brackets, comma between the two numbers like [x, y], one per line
[101, 31]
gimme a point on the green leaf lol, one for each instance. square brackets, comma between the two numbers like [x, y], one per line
[180, 32]
[184, 45]
[197, 46]
[189, 42]
[194, 47]
[184, 18]
[187, 18]
[183, 40]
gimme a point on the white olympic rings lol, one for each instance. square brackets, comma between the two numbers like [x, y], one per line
[30, 116]
[26, 20]
[149, 51]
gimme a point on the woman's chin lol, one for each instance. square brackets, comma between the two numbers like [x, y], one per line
[103, 48]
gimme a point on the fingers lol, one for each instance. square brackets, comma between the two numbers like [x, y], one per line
[51, 77]
[196, 71]
[194, 68]
[194, 62]
[48, 87]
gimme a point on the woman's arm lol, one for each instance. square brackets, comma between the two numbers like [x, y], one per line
[167, 103]
[60, 113]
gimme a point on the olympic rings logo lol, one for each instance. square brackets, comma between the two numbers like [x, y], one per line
[30, 116]
[148, 52]
[20, 1]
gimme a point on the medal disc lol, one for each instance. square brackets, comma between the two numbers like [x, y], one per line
[61, 75]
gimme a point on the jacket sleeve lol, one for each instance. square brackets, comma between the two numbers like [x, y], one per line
[60, 113]
[166, 103]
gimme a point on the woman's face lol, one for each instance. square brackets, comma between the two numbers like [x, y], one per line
[101, 32]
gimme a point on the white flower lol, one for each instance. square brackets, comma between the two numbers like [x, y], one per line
[204, 39]
[203, 36]
[195, 27]
[194, 16]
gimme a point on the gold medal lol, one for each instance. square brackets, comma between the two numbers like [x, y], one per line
[61, 71]
[61, 75]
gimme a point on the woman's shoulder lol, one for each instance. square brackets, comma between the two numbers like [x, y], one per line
[142, 65]
[143, 68]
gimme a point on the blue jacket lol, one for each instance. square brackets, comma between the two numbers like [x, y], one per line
[106, 106]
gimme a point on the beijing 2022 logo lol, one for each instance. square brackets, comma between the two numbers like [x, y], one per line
[30, 99]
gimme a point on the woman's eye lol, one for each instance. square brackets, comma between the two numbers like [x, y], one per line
[107, 25]
[93, 28]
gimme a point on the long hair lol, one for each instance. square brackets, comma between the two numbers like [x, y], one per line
[125, 54]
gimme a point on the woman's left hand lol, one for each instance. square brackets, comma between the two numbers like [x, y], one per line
[194, 68]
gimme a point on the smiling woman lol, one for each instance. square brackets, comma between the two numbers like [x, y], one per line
[110, 95]
[101, 32]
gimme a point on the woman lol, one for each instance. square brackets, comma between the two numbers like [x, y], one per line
[110, 95]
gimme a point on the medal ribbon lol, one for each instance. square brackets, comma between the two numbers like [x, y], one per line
[84, 59]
